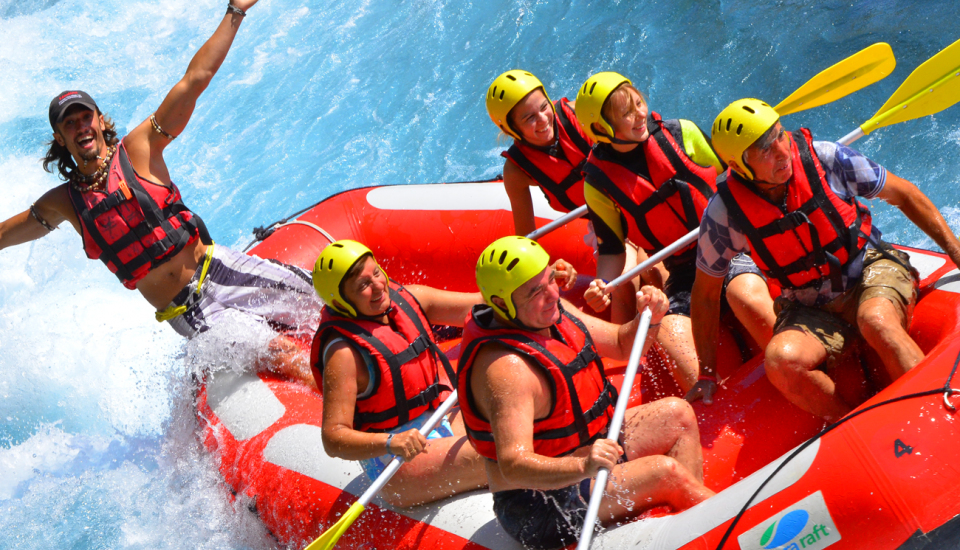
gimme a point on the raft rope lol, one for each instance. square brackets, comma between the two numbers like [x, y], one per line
[946, 390]
[260, 233]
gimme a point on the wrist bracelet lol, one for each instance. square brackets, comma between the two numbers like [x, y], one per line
[233, 9]
[710, 377]
[389, 439]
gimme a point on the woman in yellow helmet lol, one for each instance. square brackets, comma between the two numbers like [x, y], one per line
[548, 150]
[649, 180]
[378, 363]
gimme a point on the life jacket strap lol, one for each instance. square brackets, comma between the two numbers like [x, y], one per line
[172, 312]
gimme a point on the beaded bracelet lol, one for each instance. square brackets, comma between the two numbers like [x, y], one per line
[158, 129]
[36, 216]
[233, 9]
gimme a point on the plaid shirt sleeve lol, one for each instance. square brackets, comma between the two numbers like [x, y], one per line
[849, 172]
[719, 240]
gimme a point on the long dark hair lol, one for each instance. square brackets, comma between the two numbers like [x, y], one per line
[61, 156]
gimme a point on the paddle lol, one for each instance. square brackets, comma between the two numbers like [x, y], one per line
[613, 430]
[853, 73]
[858, 71]
[329, 538]
[930, 88]
[559, 222]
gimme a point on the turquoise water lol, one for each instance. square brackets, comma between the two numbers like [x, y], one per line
[96, 431]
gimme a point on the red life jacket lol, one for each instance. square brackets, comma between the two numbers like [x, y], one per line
[557, 174]
[406, 385]
[133, 225]
[662, 195]
[583, 399]
[816, 237]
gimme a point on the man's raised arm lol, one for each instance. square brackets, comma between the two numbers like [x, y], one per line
[146, 142]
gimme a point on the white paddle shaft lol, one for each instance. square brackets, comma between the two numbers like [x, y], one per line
[562, 220]
[613, 431]
[395, 464]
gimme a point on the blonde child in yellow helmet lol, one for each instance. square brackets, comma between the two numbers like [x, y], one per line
[548, 149]
[648, 181]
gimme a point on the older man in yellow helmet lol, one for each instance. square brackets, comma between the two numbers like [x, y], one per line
[791, 202]
[536, 404]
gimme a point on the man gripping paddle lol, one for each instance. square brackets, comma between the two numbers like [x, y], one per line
[537, 405]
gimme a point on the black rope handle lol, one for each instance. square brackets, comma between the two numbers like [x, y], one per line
[946, 390]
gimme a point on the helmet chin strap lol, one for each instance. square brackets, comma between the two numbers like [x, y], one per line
[363, 317]
[619, 141]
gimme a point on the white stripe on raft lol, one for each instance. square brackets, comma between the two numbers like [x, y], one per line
[926, 264]
[300, 448]
[669, 532]
[949, 282]
[454, 196]
[245, 404]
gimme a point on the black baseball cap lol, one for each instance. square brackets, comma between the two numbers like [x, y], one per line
[60, 104]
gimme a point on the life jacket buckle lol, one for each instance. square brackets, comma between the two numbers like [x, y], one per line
[125, 190]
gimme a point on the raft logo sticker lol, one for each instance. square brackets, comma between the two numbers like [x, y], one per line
[806, 525]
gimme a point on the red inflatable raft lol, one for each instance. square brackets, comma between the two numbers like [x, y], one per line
[883, 478]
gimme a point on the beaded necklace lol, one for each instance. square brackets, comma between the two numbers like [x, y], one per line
[96, 180]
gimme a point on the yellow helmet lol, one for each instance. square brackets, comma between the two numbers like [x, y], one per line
[506, 91]
[590, 100]
[737, 127]
[505, 266]
[331, 267]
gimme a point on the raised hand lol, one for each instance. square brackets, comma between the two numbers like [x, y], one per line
[565, 273]
[596, 295]
[243, 4]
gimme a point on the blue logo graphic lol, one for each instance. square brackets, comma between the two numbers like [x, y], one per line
[789, 527]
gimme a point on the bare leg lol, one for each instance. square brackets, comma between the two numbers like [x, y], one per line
[287, 359]
[650, 481]
[676, 338]
[881, 324]
[665, 462]
[792, 358]
[749, 298]
[665, 427]
[448, 467]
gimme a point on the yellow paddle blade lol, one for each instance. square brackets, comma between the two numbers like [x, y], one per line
[853, 73]
[930, 88]
[330, 537]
